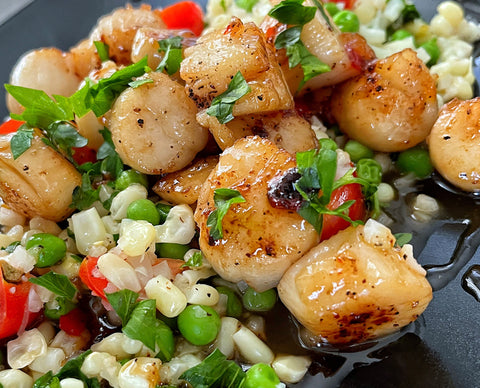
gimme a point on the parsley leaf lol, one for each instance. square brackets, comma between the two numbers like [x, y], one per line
[57, 283]
[40, 110]
[60, 306]
[215, 371]
[172, 47]
[317, 169]
[139, 82]
[196, 260]
[292, 12]
[223, 198]
[402, 239]
[247, 5]
[222, 105]
[83, 196]
[70, 369]
[298, 54]
[123, 302]
[21, 141]
[140, 322]
[145, 327]
[99, 97]
[102, 50]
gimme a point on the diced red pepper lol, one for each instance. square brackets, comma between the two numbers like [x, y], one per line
[73, 323]
[84, 154]
[92, 278]
[13, 306]
[10, 126]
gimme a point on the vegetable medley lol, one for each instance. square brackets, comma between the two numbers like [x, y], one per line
[165, 187]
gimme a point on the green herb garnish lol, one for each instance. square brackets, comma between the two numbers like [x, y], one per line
[317, 169]
[56, 283]
[293, 13]
[71, 369]
[402, 239]
[196, 260]
[222, 105]
[102, 50]
[247, 5]
[215, 371]
[140, 322]
[172, 47]
[223, 198]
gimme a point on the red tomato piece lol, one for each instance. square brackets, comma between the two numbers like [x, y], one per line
[13, 305]
[348, 4]
[334, 224]
[73, 323]
[84, 154]
[185, 14]
[92, 278]
[10, 126]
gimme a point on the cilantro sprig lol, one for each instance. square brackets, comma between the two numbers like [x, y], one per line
[139, 322]
[293, 13]
[222, 105]
[223, 199]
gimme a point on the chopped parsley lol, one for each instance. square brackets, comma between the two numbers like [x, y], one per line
[247, 5]
[139, 322]
[223, 198]
[222, 105]
[317, 169]
[294, 14]
[172, 47]
[215, 371]
[56, 283]
[71, 369]
[54, 116]
[196, 260]
[402, 239]
[102, 50]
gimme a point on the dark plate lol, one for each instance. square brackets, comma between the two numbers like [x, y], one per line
[442, 349]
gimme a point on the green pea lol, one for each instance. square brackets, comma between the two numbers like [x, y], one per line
[47, 249]
[416, 160]
[171, 250]
[261, 375]
[129, 177]
[431, 47]
[331, 8]
[143, 209]
[357, 150]
[199, 324]
[234, 306]
[163, 210]
[259, 301]
[347, 21]
[400, 35]
[370, 170]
